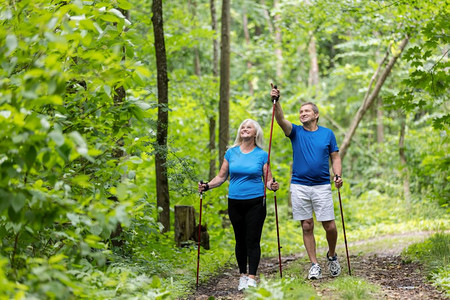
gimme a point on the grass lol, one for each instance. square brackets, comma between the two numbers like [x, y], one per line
[352, 288]
[434, 254]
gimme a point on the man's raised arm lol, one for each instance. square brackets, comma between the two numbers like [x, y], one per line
[285, 125]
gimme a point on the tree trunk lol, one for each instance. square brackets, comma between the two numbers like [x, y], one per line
[212, 147]
[267, 16]
[119, 98]
[247, 42]
[215, 41]
[224, 105]
[193, 9]
[212, 119]
[380, 127]
[401, 151]
[370, 97]
[162, 183]
[313, 79]
[278, 43]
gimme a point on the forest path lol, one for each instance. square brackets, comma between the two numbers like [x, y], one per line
[378, 261]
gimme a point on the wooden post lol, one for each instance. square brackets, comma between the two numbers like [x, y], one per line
[184, 223]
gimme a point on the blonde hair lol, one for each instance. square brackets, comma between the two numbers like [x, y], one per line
[259, 142]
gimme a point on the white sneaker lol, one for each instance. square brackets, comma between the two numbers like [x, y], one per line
[333, 265]
[251, 282]
[243, 283]
[315, 272]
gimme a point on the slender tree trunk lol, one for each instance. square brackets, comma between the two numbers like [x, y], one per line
[215, 41]
[162, 183]
[370, 97]
[247, 42]
[313, 79]
[380, 126]
[278, 43]
[119, 98]
[224, 105]
[267, 16]
[212, 118]
[401, 151]
[212, 147]
[197, 69]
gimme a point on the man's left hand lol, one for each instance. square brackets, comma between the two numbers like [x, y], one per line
[338, 181]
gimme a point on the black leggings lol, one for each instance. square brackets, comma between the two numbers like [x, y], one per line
[247, 218]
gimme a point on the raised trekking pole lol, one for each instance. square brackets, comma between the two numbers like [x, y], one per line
[274, 100]
[343, 227]
[199, 235]
[278, 231]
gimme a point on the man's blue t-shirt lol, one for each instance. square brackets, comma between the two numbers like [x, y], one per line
[246, 171]
[311, 152]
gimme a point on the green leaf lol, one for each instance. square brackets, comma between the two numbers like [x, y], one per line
[109, 18]
[56, 258]
[81, 180]
[125, 5]
[122, 215]
[4, 196]
[57, 137]
[30, 157]
[18, 202]
[11, 43]
[74, 218]
[121, 191]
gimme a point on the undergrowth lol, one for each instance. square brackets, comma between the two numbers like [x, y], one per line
[434, 254]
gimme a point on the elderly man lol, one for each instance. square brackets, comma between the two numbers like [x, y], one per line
[312, 146]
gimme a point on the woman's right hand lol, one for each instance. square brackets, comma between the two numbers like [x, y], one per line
[203, 187]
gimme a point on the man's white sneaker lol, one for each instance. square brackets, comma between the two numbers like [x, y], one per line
[333, 265]
[315, 272]
[243, 283]
[251, 282]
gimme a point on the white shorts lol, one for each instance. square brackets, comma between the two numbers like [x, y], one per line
[317, 198]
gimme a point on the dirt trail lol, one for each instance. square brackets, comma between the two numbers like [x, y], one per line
[385, 269]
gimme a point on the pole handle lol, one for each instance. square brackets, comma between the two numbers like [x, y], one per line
[201, 182]
[274, 99]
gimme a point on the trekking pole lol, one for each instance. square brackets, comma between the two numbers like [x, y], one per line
[278, 231]
[274, 99]
[199, 235]
[343, 227]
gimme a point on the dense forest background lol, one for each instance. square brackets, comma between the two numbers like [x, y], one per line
[98, 147]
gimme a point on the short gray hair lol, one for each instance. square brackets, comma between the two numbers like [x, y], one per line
[259, 141]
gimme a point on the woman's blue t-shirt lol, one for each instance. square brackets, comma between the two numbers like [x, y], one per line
[311, 152]
[246, 173]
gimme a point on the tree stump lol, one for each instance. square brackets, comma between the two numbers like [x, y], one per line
[184, 224]
[186, 231]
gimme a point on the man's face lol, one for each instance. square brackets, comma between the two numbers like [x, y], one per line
[307, 114]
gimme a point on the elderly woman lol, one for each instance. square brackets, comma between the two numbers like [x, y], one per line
[246, 164]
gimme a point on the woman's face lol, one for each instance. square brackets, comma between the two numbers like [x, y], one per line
[248, 131]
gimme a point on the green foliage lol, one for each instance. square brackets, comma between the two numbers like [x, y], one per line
[434, 254]
[286, 288]
[353, 288]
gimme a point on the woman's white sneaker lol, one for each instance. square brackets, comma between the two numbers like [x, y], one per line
[243, 283]
[251, 282]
